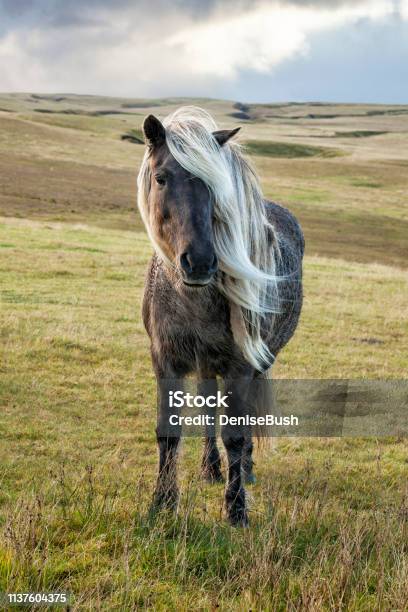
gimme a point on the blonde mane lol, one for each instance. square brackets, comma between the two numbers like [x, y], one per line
[245, 242]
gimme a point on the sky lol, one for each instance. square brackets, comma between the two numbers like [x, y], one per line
[244, 50]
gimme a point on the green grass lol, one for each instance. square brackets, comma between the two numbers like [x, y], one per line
[77, 394]
[268, 148]
[360, 133]
[367, 183]
[78, 456]
[135, 135]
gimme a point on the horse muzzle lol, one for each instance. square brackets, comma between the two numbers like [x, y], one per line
[197, 271]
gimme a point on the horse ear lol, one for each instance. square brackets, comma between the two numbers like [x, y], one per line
[153, 131]
[222, 136]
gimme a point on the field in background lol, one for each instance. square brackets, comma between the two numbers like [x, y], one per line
[342, 168]
[78, 459]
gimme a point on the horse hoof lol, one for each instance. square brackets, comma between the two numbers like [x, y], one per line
[236, 508]
[239, 519]
[212, 476]
[250, 479]
[164, 501]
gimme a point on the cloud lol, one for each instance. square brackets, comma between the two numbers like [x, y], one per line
[10, 7]
[403, 8]
[184, 47]
[61, 14]
[259, 40]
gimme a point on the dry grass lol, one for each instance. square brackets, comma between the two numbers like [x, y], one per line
[328, 516]
[76, 168]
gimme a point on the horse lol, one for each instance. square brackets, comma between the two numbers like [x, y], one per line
[223, 291]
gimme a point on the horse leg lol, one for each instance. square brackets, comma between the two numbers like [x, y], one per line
[247, 461]
[168, 438]
[234, 437]
[211, 461]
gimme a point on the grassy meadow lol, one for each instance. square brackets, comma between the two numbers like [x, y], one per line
[329, 517]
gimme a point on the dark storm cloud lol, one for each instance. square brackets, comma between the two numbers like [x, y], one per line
[10, 7]
[67, 12]
[63, 10]
[71, 13]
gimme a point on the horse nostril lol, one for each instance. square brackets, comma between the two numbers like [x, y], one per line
[185, 262]
[198, 266]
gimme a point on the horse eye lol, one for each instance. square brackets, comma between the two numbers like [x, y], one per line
[160, 180]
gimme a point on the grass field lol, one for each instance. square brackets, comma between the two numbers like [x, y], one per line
[329, 517]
